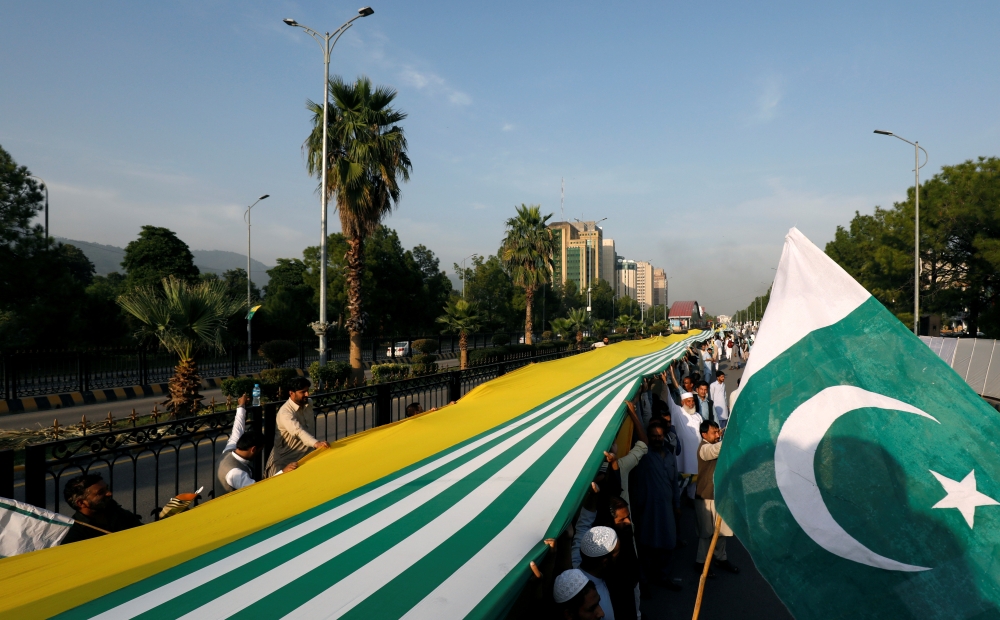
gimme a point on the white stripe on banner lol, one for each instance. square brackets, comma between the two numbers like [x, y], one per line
[167, 592]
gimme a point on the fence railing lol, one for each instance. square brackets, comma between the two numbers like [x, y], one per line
[976, 360]
[38, 373]
[146, 465]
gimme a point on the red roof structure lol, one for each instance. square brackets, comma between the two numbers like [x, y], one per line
[685, 309]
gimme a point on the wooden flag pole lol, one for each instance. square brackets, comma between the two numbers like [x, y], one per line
[708, 562]
[93, 527]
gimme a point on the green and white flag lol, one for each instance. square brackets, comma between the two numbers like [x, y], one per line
[25, 528]
[861, 472]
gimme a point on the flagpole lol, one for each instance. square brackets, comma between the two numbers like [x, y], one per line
[708, 562]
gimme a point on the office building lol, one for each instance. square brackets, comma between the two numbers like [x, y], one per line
[579, 253]
[609, 262]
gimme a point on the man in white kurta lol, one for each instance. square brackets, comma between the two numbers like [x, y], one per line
[717, 392]
[687, 422]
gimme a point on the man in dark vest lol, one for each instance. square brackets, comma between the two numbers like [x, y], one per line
[704, 501]
[235, 471]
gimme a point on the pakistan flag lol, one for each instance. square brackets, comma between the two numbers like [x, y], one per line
[861, 472]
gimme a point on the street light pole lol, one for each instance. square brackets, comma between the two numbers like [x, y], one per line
[464, 275]
[326, 42]
[246, 217]
[916, 223]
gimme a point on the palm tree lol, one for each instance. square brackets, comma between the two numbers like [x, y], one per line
[462, 317]
[526, 254]
[600, 327]
[628, 322]
[366, 159]
[184, 318]
[560, 327]
[577, 320]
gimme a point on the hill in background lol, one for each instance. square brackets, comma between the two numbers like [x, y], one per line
[108, 258]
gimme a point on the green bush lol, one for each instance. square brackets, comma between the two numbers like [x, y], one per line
[426, 346]
[238, 386]
[389, 372]
[277, 352]
[546, 336]
[489, 355]
[328, 377]
[546, 347]
[500, 339]
[424, 364]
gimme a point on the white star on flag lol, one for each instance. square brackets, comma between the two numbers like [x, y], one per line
[963, 495]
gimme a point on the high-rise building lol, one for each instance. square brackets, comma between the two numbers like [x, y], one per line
[579, 254]
[609, 262]
[660, 291]
[644, 284]
[626, 280]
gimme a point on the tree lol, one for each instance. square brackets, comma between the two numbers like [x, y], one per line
[158, 254]
[526, 253]
[366, 159]
[491, 289]
[289, 304]
[184, 318]
[600, 327]
[561, 327]
[461, 317]
[602, 301]
[577, 320]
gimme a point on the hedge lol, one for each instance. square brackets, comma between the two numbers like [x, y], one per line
[327, 377]
[389, 372]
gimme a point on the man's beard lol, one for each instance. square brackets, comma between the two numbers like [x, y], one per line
[104, 504]
[689, 410]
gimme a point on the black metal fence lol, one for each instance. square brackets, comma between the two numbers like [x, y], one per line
[38, 373]
[146, 465]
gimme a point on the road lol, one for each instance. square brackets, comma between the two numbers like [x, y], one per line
[118, 409]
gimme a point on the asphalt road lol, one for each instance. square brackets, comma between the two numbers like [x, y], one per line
[118, 409]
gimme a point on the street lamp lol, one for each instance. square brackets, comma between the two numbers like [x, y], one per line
[45, 186]
[326, 42]
[246, 218]
[464, 276]
[916, 223]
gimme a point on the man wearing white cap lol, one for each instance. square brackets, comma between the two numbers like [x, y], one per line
[687, 422]
[599, 550]
[576, 596]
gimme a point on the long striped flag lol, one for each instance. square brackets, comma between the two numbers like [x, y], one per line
[432, 516]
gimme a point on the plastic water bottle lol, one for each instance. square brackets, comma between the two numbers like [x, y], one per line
[256, 395]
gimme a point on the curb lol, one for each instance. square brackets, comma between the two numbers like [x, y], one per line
[93, 397]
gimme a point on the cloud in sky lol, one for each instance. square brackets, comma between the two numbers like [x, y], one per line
[434, 84]
[770, 93]
[507, 127]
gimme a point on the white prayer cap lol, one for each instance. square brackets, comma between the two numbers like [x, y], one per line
[598, 542]
[686, 395]
[569, 584]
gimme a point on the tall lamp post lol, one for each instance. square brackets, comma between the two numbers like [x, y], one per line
[246, 218]
[326, 42]
[916, 223]
[464, 278]
[45, 186]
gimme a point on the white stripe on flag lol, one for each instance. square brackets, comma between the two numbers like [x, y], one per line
[25, 528]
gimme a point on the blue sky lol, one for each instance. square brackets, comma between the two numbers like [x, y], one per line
[702, 131]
